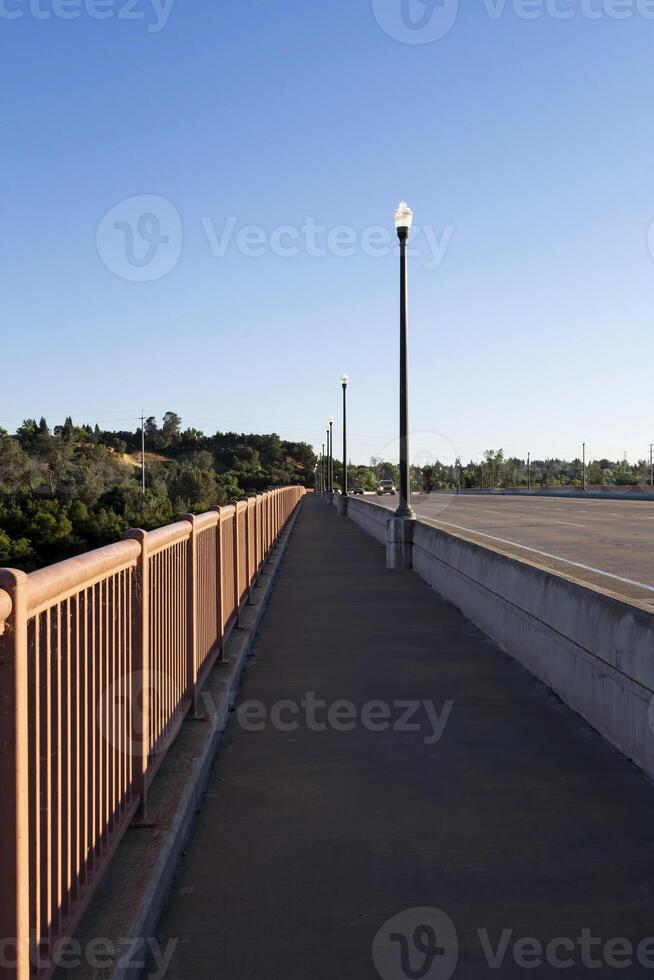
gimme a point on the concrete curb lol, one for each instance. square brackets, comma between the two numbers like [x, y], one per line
[132, 958]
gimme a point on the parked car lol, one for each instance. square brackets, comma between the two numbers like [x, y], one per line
[357, 489]
[386, 486]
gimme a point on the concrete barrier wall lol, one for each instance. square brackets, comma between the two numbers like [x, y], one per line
[592, 493]
[611, 492]
[595, 651]
[371, 518]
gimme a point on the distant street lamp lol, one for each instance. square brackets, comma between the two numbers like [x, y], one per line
[344, 380]
[403, 220]
[528, 471]
[331, 453]
[583, 465]
[322, 457]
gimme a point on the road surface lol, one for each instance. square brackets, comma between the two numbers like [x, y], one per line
[609, 543]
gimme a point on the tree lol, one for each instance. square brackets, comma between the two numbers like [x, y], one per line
[170, 429]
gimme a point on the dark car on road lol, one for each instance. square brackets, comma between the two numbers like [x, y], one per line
[386, 486]
[357, 489]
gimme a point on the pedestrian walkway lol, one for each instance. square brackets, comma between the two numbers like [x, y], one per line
[387, 757]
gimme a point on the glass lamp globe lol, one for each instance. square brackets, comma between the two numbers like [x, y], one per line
[403, 216]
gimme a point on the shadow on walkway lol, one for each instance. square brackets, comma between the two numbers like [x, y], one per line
[518, 818]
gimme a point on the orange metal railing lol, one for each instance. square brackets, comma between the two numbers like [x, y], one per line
[101, 659]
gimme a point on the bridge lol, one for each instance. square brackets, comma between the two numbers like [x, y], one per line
[395, 795]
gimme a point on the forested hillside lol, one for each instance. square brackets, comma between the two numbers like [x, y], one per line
[78, 487]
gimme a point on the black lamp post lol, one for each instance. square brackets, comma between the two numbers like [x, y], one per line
[403, 219]
[331, 453]
[344, 480]
[322, 467]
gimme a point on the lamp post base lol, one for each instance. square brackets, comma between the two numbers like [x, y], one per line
[341, 505]
[399, 542]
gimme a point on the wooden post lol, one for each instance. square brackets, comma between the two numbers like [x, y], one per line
[237, 586]
[14, 780]
[220, 594]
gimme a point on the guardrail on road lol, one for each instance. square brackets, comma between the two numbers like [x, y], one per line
[101, 659]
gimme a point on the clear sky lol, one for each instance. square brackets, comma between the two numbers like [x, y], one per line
[523, 143]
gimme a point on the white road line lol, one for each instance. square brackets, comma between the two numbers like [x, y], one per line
[546, 554]
[570, 523]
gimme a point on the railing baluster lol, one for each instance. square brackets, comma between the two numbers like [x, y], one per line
[192, 615]
[140, 700]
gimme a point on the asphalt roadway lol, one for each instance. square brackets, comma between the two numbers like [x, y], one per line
[608, 543]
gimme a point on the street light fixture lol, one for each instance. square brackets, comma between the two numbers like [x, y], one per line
[403, 221]
[344, 380]
[331, 453]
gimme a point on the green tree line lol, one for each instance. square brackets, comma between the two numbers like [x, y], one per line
[67, 490]
[496, 469]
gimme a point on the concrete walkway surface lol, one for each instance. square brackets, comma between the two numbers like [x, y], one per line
[467, 792]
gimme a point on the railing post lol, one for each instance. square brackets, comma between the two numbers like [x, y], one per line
[192, 616]
[257, 537]
[260, 525]
[220, 596]
[141, 680]
[247, 548]
[14, 813]
[237, 585]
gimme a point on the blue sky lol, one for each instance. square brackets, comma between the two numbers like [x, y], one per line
[524, 146]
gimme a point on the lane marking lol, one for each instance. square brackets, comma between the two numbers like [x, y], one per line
[546, 554]
[570, 523]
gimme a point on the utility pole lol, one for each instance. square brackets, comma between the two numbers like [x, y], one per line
[583, 466]
[142, 454]
[651, 465]
[528, 471]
